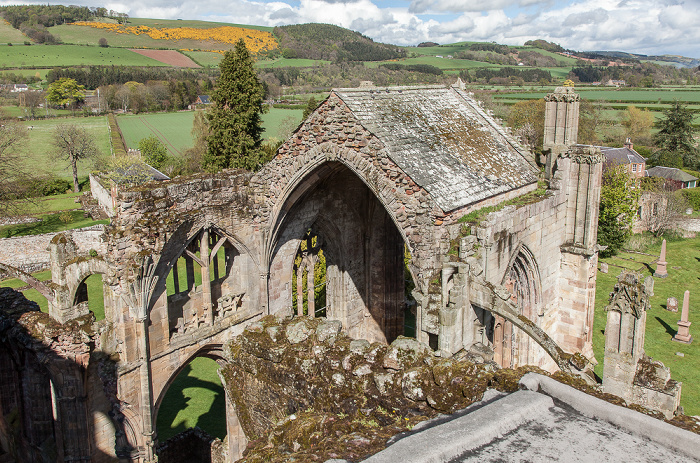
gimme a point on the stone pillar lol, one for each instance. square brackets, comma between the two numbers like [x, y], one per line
[661, 263]
[207, 309]
[310, 281]
[683, 334]
[300, 290]
[560, 124]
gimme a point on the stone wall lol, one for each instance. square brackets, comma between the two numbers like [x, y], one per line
[191, 445]
[102, 195]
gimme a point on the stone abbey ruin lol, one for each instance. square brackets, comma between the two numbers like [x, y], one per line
[372, 178]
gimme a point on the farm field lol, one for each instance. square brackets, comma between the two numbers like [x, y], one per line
[39, 155]
[27, 72]
[173, 129]
[288, 62]
[442, 63]
[683, 256]
[69, 55]
[204, 58]
[651, 96]
[9, 34]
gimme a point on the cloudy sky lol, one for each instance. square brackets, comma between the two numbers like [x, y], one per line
[639, 26]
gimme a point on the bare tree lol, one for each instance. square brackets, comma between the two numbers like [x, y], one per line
[74, 144]
[32, 101]
[12, 137]
[660, 206]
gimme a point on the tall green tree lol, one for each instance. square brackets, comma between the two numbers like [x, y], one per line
[235, 124]
[65, 92]
[619, 199]
[676, 132]
[74, 143]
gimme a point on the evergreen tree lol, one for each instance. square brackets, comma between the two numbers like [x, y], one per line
[235, 125]
[676, 134]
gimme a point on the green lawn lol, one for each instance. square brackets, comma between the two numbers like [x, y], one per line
[69, 55]
[39, 151]
[196, 398]
[95, 292]
[174, 129]
[50, 223]
[683, 258]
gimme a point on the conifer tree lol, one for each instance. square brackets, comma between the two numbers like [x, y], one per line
[676, 133]
[235, 125]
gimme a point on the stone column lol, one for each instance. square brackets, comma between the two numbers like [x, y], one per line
[208, 312]
[683, 334]
[310, 281]
[661, 264]
[300, 290]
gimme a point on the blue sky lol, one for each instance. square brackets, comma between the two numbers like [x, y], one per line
[638, 26]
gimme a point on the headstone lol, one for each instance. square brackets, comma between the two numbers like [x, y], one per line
[603, 267]
[661, 264]
[672, 304]
[683, 334]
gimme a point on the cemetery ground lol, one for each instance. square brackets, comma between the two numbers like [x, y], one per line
[683, 257]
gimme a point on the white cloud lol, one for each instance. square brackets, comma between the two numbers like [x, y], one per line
[640, 26]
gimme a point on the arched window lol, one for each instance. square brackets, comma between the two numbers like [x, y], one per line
[309, 277]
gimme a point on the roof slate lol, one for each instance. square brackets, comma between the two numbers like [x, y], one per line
[670, 173]
[621, 155]
[444, 141]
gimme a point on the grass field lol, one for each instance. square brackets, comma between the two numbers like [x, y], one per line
[196, 398]
[27, 72]
[683, 258]
[205, 58]
[78, 34]
[69, 55]
[9, 34]
[174, 129]
[652, 96]
[442, 63]
[39, 154]
[285, 62]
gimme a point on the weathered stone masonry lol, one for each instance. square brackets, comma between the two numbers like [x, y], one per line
[370, 173]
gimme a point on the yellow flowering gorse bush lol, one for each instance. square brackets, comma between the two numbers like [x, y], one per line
[255, 40]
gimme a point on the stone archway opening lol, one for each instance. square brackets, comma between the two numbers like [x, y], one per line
[195, 396]
[90, 291]
[512, 347]
[333, 213]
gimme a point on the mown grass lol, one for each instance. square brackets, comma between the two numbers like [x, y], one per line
[50, 223]
[70, 55]
[94, 284]
[39, 155]
[683, 256]
[195, 398]
[174, 129]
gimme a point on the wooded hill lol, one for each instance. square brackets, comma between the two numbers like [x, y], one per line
[332, 43]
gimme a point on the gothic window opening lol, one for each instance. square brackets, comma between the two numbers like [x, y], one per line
[309, 277]
[201, 287]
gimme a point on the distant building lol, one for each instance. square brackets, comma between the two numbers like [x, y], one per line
[626, 156]
[683, 179]
[202, 100]
[616, 83]
[16, 88]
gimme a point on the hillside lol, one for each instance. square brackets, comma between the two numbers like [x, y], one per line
[332, 43]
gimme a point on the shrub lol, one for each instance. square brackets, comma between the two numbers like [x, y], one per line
[103, 43]
[692, 195]
[66, 217]
[55, 186]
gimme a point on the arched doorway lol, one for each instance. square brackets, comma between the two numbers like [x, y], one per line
[195, 396]
[333, 213]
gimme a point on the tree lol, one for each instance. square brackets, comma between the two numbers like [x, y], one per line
[676, 134]
[311, 106]
[103, 42]
[12, 136]
[235, 124]
[153, 151]
[32, 100]
[65, 91]
[619, 198]
[662, 201]
[527, 118]
[75, 144]
[638, 124]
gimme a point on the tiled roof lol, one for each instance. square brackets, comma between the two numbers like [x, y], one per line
[621, 155]
[444, 141]
[670, 173]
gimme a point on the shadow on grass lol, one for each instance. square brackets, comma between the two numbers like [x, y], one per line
[667, 327]
[49, 223]
[212, 420]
